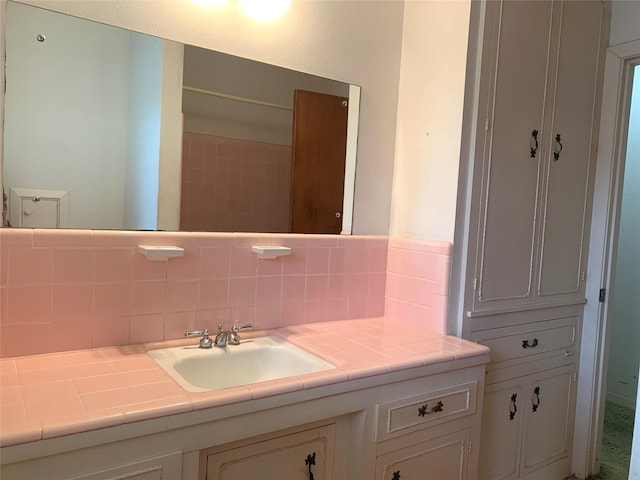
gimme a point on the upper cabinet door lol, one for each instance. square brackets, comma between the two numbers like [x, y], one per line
[570, 151]
[539, 99]
[519, 34]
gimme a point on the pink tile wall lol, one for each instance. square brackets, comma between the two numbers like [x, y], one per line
[233, 185]
[417, 287]
[65, 290]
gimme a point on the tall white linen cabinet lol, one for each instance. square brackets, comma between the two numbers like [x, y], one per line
[531, 171]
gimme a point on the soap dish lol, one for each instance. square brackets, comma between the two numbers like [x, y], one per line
[160, 253]
[270, 251]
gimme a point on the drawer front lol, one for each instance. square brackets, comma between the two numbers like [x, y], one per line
[406, 415]
[529, 339]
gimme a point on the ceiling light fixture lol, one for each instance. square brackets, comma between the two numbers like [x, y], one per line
[264, 10]
[211, 3]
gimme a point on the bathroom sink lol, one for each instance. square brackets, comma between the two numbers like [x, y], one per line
[254, 360]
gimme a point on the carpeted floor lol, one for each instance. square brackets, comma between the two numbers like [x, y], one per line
[616, 442]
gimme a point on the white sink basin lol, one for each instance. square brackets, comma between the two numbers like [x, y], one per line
[254, 360]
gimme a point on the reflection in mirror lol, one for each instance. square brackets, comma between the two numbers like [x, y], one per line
[136, 132]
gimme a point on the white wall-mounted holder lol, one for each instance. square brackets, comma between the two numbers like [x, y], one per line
[270, 251]
[160, 253]
[38, 208]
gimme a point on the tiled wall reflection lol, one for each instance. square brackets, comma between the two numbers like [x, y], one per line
[233, 185]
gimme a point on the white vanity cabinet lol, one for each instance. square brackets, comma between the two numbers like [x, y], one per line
[529, 400]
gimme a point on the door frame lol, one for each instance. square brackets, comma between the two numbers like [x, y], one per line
[591, 395]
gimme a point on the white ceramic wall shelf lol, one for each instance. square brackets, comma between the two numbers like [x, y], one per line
[160, 253]
[270, 251]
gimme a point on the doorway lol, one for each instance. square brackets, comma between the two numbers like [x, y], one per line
[599, 322]
[624, 308]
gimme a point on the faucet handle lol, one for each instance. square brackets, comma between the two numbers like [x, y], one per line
[236, 328]
[196, 333]
[205, 341]
[234, 338]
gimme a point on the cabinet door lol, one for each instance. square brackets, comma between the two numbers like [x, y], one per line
[512, 174]
[567, 202]
[444, 458]
[502, 419]
[156, 468]
[549, 422]
[296, 456]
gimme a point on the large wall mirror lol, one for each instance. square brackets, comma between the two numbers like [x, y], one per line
[111, 129]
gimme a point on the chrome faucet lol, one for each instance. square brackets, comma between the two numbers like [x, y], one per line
[205, 341]
[224, 338]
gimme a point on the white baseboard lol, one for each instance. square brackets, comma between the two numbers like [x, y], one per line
[622, 401]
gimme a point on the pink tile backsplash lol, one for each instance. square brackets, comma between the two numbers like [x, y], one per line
[110, 295]
[417, 282]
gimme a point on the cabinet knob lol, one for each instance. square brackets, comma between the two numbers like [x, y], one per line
[396, 475]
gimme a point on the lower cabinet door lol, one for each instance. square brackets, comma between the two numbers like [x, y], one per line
[443, 458]
[503, 412]
[303, 455]
[156, 468]
[527, 424]
[549, 421]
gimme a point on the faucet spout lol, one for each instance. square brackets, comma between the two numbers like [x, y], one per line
[224, 338]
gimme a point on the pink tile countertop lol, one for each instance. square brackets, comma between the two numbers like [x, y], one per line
[46, 396]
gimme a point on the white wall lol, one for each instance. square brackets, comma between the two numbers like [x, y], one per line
[211, 70]
[99, 103]
[170, 137]
[143, 133]
[432, 79]
[624, 354]
[352, 41]
[625, 21]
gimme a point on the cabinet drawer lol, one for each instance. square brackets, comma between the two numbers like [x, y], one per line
[406, 415]
[529, 339]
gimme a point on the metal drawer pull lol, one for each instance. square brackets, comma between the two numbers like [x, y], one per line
[533, 344]
[536, 399]
[556, 153]
[513, 408]
[533, 143]
[311, 460]
[568, 353]
[425, 410]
